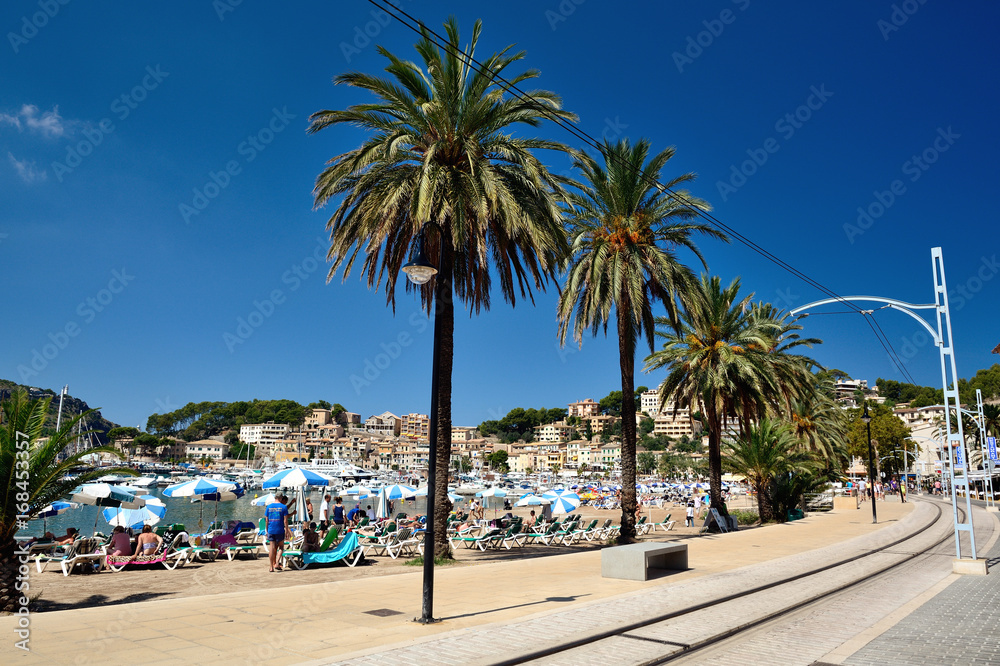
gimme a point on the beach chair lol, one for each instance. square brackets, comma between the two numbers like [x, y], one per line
[560, 535]
[641, 526]
[666, 524]
[468, 535]
[168, 555]
[600, 531]
[404, 542]
[578, 533]
[56, 554]
[514, 537]
[294, 557]
[348, 551]
[544, 532]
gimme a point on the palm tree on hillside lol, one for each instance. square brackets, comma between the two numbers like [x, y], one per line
[726, 361]
[624, 235]
[32, 475]
[440, 163]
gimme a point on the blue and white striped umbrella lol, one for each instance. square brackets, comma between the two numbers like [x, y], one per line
[102, 494]
[398, 492]
[198, 487]
[532, 500]
[295, 477]
[136, 518]
[642, 488]
[563, 501]
[492, 492]
[55, 509]
[264, 500]
[359, 492]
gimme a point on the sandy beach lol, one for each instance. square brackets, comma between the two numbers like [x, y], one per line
[52, 591]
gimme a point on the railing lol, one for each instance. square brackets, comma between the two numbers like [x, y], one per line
[822, 501]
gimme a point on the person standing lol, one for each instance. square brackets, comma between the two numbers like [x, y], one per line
[689, 522]
[338, 513]
[276, 515]
[324, 513]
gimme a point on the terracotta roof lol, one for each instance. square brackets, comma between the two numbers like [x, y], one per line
[996, 350]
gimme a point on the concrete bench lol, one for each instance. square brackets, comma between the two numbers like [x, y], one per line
[633, 561]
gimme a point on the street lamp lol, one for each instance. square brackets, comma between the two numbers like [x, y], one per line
[871, 460]
[420, 270]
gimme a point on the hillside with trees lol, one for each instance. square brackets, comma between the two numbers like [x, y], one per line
[986, 380]
[198, 420]
[71, 407]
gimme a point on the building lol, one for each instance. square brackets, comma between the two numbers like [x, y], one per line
[649, 402]
[675, 424]
[845, 389]
[264, 436]
[463, 434]
[584, 408]
[552, 432]
[385, 424]
[415, 426]
[206, 448]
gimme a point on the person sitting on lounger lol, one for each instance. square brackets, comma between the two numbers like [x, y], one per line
[531, 520]
[147, 543]
[69, 537]
[121, 545]
[310, 539]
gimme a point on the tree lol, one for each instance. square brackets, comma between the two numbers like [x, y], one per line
[889, 433]
[646, 462]
[624, 233]
[319, 404]
[498, 460]
[768, 450]
[727, 358]
[611, 404]
[465, 464]
[646, 425]
[33, 477]
[116, 435]
[443, 163]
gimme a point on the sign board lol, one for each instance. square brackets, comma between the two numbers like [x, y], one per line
[991, 445]
[958, 457]
[713, 515]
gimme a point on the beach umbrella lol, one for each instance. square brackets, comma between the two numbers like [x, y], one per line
[295, 477]
[360, 492]
[197, 488]
[532, 500]
[200, 488]
[452, 496]
[642, 488]
[54, 509]
[563, 501]
[398, 492]
[150, 514]
[264, 500]
[103, 494]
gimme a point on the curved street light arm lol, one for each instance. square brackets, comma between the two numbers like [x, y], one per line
[902, 306]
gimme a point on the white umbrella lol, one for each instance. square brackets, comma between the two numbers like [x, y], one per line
[264, 500]
[359, 492]
[532, 500]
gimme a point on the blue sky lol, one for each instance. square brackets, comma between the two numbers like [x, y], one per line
[155, 188]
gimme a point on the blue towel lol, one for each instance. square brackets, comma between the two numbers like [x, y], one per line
[343, 549]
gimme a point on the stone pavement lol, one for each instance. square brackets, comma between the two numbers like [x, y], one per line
[959, 625]
[330, 621]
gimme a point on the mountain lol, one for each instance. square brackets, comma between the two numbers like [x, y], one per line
[71, 407]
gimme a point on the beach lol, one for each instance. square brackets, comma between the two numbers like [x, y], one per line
[57, 592]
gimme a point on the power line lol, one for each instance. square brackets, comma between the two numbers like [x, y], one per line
[901, 365]
[591, 141]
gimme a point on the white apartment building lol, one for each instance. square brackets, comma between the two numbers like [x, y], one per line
[675, 425]
[206, 448]
[264, 436]
[552, 432]
[649, 402]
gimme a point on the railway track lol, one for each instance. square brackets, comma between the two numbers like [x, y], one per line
[684, 632]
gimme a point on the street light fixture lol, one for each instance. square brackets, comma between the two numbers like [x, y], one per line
[867, 420]
[420, 270]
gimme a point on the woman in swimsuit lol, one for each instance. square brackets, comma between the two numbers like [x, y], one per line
[147, 543]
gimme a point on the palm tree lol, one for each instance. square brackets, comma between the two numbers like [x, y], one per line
[820, 426]
[624, 232]
[720, 362]
[991, 414]
[440, 159]
[767, 451]
[32, 476]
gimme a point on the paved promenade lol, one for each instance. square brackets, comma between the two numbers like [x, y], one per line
[331, 622]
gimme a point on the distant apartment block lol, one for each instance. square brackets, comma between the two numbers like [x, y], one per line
[552, 432]
[415, 426]
[264, 436]
[385, 424]
[649, 402]
[584, 408]
[206, 448]
[462, 434]
[679, 424]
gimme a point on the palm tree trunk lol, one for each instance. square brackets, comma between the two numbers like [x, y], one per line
[715, 459]
[444, 333]
[9, 595]
[626, 353]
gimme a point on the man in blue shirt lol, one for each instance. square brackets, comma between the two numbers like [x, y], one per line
[276, 515]
[352, 515]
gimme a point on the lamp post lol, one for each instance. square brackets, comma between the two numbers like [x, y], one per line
[420, 271]
[867, 419]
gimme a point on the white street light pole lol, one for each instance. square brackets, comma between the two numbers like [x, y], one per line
[958, 458]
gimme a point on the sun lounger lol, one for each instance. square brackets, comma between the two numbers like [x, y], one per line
[170, 557]
[348, 550]
[59, 553]
[600, 531]
[294, 557]
[579, 533]
[666, 524]
[80, 553]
